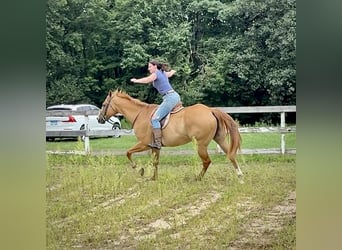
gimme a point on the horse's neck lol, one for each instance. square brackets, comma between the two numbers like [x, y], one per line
[130, 110]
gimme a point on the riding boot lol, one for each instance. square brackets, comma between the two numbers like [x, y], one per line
[157, 138]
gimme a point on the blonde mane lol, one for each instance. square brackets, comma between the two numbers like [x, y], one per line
[123, 94]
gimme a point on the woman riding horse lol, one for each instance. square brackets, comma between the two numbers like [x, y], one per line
[159, 78]
[197, 123]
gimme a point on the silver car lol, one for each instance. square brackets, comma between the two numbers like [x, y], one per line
[76, 122]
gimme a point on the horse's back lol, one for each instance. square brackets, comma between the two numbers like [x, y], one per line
[196, 120]
[198, 112]
[199, 107]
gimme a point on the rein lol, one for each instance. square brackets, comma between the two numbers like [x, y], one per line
[135, 119]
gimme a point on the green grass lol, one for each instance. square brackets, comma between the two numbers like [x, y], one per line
[249, 141]
[98, 202]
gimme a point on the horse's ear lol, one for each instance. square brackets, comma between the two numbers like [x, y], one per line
[110, 93]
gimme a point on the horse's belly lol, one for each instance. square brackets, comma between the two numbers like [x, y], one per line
[174, 140]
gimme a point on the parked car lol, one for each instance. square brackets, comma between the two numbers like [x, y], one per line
[73, 122]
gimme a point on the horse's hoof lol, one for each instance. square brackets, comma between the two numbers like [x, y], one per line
[142, 172]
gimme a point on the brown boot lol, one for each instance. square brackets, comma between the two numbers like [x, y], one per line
[157, 138]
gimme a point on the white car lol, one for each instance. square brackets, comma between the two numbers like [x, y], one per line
[73, 122]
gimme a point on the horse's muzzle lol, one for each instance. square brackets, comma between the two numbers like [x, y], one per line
[101, 120]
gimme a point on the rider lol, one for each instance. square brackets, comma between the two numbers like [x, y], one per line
[159, 78]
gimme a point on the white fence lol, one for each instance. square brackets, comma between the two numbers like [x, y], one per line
[267, 109]
[282, 130]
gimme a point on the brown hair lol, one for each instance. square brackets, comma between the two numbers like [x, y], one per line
[160, 66]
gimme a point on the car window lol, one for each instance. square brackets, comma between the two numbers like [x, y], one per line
[94, 108]
[83, 108]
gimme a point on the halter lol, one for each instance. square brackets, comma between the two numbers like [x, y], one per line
[105, 109]
[105, 112]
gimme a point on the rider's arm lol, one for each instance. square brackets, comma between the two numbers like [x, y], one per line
[147, 79]
[170, 73]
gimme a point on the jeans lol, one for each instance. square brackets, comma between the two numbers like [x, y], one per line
[169, 102]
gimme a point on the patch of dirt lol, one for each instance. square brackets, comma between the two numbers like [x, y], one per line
[258, 233]
[117, 201]
[179, 216]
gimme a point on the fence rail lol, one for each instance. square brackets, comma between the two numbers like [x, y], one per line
[282, 130]
[258, 109]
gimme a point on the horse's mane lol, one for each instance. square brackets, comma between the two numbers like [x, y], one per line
[124, 95]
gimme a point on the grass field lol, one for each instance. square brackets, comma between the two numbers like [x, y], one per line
[99, 202]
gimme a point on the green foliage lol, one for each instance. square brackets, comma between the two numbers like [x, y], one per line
[226, 53]
[67, 91]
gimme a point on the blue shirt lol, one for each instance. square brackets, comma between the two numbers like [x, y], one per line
[162, 83]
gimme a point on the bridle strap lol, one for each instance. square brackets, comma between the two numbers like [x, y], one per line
[135, 119]
[106, 108]
[110, 105]
[110, 121]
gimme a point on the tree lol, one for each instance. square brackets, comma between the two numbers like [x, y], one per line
[226, 53]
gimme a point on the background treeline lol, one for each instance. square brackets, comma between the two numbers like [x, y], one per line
[226, 53]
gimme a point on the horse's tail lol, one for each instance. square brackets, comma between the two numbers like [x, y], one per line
[226, 125]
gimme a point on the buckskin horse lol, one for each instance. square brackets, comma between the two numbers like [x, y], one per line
[197, 122]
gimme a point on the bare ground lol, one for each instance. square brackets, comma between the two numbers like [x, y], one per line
[257, 233]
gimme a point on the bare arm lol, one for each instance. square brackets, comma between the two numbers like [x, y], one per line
[147, 79]
[170, 73]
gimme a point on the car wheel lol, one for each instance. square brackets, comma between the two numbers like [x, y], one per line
[117, 128]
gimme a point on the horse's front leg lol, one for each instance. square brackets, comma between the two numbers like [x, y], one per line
[155, 162]
[139, 147]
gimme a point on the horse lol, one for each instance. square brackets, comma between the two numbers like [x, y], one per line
[197, 122]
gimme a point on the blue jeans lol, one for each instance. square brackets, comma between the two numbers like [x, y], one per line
[169, 102]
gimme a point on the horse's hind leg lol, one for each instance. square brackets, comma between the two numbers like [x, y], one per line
[203, 154]
[224, 146]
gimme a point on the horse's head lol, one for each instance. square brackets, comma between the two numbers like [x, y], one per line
[108, 109]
